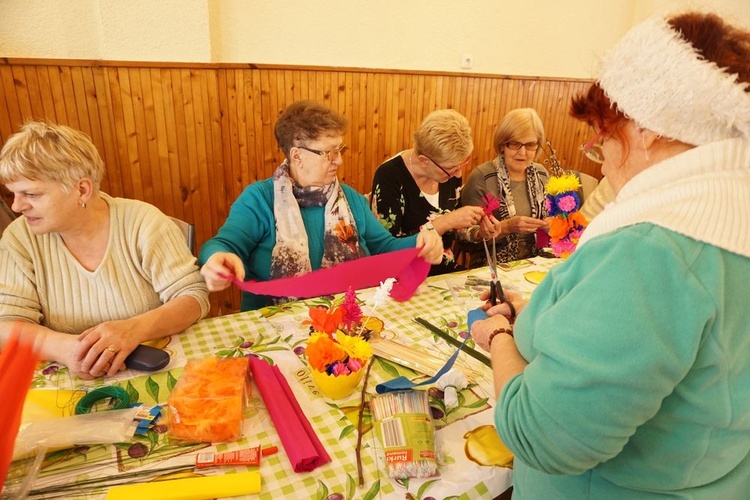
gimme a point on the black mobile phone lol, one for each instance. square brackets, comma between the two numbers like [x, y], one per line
[147, 358]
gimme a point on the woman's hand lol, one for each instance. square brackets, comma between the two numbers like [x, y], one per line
[503, 309]
[460, 218]
[483, 328]
[431, 245]
[102, 349]
[219, 269]
[520, 224]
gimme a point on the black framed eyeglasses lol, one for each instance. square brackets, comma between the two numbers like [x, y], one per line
[515, 145]
[331, 154]
[452, 170]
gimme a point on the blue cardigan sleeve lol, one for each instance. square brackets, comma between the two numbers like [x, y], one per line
[249, 223]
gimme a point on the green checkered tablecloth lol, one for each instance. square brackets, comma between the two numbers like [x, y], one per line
[277, 334]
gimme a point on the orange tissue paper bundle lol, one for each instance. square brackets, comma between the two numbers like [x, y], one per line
[208, 401]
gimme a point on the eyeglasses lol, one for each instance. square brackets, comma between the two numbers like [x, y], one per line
[331, 154]
[593, 148]
[515, 145]
[451, 171]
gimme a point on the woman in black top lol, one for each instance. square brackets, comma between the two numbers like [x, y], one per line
[420, 188]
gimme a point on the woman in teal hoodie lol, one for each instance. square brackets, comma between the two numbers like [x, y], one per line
[628, 375]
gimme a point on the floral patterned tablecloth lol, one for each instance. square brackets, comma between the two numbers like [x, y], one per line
[464, 436]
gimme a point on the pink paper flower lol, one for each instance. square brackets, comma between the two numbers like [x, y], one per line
[567, 203]
[490, 203]
[340, 369]
[355, 364]
[352, 311]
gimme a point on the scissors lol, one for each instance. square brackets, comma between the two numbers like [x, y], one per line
[496, 289]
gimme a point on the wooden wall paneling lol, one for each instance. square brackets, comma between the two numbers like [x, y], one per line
[22, 91]
[69, 97]
[6, 125]
[254, 123]
[145, 131]
[231, 88]
[88, 98]
[32, 87]
[120, 135]
[219, 209]
[15, 117]
[158, 141]
[201, 194]
[172, 144]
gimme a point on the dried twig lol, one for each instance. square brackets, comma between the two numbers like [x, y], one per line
[359, 423]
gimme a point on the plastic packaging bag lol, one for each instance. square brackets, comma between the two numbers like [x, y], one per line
[114, 426]
[405, 428]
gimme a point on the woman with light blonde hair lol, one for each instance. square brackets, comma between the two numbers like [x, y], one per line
[420, 187]
[517, 181]
[93, 275]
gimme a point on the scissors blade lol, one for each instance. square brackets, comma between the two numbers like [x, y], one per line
[490, 261]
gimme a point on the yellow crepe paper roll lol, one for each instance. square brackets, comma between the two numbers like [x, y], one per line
[194, 488]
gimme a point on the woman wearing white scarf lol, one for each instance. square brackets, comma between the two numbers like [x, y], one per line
[302, 219]
[628, 373]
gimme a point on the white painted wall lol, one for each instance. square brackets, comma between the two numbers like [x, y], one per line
[559, 38]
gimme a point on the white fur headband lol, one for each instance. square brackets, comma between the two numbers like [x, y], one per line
[658, 79]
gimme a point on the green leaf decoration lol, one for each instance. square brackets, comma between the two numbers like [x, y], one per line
[373, 491]
[322, 492]
[153, 439]
[387, 367]
[351, 486]
[171, 381]
[133, 394]
[225, 353]
[270, 349]
[425, 486]
[347, 430]
[478, 403]
[152, 388]
[240, 340]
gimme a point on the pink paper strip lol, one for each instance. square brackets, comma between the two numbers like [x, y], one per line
[404, 265]
[302, 446]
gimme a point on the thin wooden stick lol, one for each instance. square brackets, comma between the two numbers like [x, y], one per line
[440, 333]
[359, 424]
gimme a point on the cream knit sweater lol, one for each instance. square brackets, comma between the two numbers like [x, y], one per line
[145, 265]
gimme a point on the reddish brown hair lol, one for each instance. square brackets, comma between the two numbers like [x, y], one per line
[304, 121]
[716, 40]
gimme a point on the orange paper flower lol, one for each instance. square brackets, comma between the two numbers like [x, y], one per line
[322, 351]
[323, 319]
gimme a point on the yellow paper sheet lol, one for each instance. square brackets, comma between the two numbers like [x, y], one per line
[43, 404]
[194, 488]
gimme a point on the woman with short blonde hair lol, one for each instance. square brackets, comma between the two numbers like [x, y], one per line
[420, 187]
[92, 274]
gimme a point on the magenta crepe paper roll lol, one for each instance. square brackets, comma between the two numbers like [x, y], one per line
[300, 442]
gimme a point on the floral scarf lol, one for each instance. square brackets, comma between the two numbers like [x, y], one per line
[291, 256]
[508, 250]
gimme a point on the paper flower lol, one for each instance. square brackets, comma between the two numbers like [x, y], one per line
[490, 203]
[383, 292]
[352, 311]
[339, 354]
[325, 319]
[563, 204]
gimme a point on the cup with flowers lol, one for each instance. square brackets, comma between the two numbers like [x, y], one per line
[337, 352]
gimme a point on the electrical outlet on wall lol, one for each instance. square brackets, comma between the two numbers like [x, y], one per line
[467, 61]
